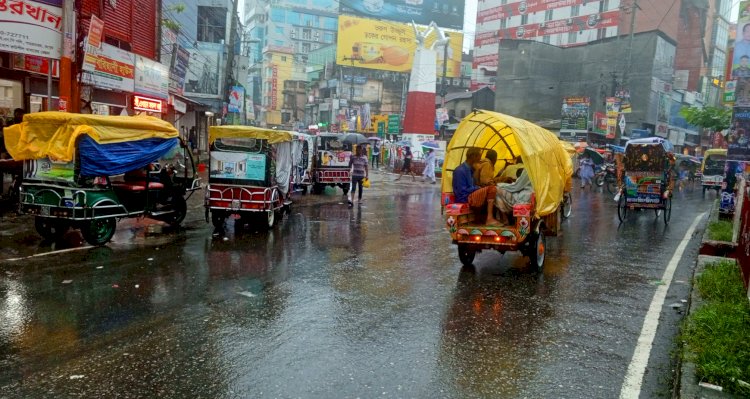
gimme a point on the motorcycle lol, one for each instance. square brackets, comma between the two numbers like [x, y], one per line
[607, 174]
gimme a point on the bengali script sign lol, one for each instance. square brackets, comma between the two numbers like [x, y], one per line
[30, 27]
[109, 68]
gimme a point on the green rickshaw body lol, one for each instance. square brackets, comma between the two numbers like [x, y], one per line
[86, 172]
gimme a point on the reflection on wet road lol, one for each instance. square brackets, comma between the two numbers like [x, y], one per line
[339, 302]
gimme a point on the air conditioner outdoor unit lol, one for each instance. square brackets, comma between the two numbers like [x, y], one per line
[570, 21]
[542, 25]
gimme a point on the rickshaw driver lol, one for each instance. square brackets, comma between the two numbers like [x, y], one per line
[467, 192]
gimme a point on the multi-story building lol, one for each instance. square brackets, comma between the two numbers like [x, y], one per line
[195, 39]
[282, 34]
[700, 30]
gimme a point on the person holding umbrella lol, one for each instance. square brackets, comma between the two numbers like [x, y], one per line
[358, 164]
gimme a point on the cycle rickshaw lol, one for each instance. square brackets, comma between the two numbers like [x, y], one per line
[648, 179]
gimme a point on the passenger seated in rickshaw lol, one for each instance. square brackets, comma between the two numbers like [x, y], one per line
[511, 172]
[509, 194]
[467, 191]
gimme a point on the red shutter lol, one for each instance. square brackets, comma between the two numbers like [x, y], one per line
[144, 35]
[118, 21]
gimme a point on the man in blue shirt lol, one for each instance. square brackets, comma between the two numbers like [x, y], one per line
[466, 191]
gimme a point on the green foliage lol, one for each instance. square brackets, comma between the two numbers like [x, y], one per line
[716, 333]
[170, 24]
[708, 117]
[720, 230]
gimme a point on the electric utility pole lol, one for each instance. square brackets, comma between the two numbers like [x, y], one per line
[633, 9]
[228, 70]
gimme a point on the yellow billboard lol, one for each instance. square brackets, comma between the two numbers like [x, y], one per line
[390, 46]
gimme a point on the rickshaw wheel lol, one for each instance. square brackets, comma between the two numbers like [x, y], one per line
[537, 253]
[50, 229]
[667, 210]
[179, 207]
[270, 219]
[99, 231]
[567, 205]
[622, 208]
[466, 255]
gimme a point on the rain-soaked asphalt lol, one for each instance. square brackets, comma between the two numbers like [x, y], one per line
[341, 303]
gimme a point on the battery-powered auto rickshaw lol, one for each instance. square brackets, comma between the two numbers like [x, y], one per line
[331, 162]
[250, 171]
[87, 171]
[648, 178]
[549, 169]
[712, 169]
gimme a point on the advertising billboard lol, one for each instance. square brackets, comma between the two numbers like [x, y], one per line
[389, 46]
[741, 57]
[575, 114]
[445, 13]
[31, 28]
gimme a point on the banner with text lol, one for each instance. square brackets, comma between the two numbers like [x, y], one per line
[31, 27]
[575, 114]
[445, 13]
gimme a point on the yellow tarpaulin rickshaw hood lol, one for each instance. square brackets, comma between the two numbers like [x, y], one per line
[545, 159]
[250, 132]
[54, 134]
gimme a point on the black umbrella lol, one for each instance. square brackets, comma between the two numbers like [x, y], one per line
[355, 138]
[594, 155]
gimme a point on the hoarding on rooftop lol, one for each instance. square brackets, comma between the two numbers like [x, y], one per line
[445, 13]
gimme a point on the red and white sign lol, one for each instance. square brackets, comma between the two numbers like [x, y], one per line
[147, 104]
[31, 27]
[274, 86]
[523, 7]
[529, 31]
[110, 68]
[96, 27]
[34, 64]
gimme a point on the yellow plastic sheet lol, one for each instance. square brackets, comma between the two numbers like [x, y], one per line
[546, 160]
[54, 134]
[251, 132]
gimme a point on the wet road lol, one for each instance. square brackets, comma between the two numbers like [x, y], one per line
[338, 302]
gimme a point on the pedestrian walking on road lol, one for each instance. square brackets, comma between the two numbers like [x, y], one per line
[587, 171]
[376, 156]
[406, 169]
[358, 164]
[429, 166]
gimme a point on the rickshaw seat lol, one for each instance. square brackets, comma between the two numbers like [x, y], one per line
[137, 185]
[454, 208]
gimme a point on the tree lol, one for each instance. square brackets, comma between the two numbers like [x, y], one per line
[716, 119]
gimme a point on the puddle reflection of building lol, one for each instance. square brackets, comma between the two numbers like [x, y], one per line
[490, 333]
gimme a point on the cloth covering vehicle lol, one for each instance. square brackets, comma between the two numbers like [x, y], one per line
[87, 171]
[549, 168]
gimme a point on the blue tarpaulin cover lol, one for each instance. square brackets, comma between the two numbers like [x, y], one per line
[117, 158]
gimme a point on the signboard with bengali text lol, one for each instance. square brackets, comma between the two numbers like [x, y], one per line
[575, 114]
[109, 68]
[31, 27]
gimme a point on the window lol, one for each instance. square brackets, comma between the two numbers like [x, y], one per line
[575, 11]
[306, 34]
[280, 30]
[278, 43]
[572, 37]
[305, 48]
[548, 15]
[524, 19]
[329, 23]
[545, 39]
[503, 23]
[283, 58]
[328, 37]
[211, 24]
[277, 15]
[601, 33]
[462, 114]
[604, 6]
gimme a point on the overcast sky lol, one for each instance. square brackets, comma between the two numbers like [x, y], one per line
[470, 18]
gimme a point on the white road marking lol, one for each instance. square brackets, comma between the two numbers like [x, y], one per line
[60, 251]
[631, 387]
